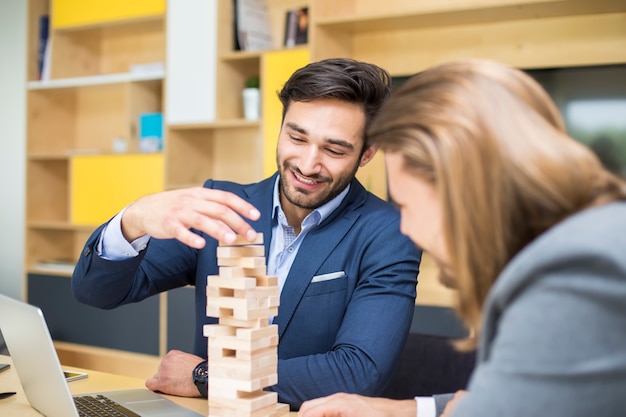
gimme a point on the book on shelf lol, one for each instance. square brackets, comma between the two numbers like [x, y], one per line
[252, 25]
[43, 49]
[296, 27]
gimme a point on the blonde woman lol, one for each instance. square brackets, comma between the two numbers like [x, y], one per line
[527, 225]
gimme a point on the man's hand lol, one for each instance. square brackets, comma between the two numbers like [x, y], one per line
[352, 405]
[171, 214]
[174, 375]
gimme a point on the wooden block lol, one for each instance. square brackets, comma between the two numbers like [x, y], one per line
[282, 410]
[253, 334]
[241, 272]
[240, 251]
[232, 362]
[229, 320]
[256, 292]
[266, 281]
[212, 291]
[256, 354]
[240, 240]
[219, 352]
[237, 304]
[205, 329]
[212, 311]
[243, 334]
[223, 307]
[234, 343]
[255, 313]
[232, 385]
[218, 368]
[247, 262]
[213, 330]
[247, 401]
[237, 283]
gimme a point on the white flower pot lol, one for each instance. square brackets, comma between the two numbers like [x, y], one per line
[251, 103]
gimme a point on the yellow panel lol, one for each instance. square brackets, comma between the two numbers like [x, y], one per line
[101, 185]
[277, 68]
[68, 13]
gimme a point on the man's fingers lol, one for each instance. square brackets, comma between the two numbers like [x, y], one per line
[189, 238]
[231, 200]
[222, 222]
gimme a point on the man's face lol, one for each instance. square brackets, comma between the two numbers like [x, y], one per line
[319, 151]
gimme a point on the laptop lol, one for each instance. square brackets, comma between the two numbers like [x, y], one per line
[37, 365]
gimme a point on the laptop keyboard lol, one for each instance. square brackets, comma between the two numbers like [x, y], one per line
[101, 406]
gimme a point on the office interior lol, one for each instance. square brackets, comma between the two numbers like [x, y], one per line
[47, 212]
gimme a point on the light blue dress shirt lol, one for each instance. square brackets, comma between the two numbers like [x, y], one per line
[285, 244]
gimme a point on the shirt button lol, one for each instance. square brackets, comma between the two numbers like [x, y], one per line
[290, 250]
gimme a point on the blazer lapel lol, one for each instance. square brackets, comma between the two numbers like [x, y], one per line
[261, 196]
[316, 247]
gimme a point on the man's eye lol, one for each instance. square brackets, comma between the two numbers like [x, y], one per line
[335, 152]
[296, 139]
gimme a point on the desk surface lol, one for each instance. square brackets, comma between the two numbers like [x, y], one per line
[17, 405]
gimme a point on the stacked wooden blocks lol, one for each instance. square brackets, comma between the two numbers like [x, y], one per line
[242, 348]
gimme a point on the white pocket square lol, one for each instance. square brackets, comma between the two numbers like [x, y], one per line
[327, 277]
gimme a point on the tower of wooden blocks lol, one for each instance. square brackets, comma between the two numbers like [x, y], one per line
[242, 347]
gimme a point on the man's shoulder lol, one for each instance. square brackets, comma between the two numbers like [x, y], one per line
[238, 188]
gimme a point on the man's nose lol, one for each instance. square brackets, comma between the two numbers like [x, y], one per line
[310, 161]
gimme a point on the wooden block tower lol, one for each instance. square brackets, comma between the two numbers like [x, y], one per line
[242, 347]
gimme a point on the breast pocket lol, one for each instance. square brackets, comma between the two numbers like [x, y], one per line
[327, 283]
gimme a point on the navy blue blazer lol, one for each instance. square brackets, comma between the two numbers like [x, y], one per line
[343, 334]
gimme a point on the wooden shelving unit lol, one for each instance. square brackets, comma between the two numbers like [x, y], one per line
[102, 75]
[95, 94]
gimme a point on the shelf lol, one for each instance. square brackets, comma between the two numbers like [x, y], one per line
[60, 269]
[158, 18]
[252, 55]
[433, 14]
[222, 124]
[59, 225]
[94, 80]
[47, 157]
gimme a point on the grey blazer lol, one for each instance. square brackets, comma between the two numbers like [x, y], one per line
[554, 325]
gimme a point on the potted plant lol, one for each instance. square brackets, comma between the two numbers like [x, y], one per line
[251, 98]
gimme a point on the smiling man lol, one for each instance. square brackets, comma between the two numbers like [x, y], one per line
[346, 274]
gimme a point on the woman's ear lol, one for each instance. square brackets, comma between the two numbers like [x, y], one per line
[368, 155]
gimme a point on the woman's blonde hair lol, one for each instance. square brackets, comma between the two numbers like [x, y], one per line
[494, 145]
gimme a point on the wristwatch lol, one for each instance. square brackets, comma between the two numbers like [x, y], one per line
[201, 378]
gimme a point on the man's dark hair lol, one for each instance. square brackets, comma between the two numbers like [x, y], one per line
[345, 79]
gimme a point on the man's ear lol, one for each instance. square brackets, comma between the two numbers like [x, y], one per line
[368, 155]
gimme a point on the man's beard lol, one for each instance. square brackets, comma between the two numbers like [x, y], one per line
[302, 198]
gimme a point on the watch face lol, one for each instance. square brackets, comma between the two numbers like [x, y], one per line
[201, 373]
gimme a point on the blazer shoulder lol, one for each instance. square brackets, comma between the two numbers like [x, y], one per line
[591, 242]
[263, 186]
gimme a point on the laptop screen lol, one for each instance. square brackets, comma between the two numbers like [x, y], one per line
[34, 358]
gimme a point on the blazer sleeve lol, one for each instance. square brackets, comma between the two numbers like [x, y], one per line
[108, 284]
